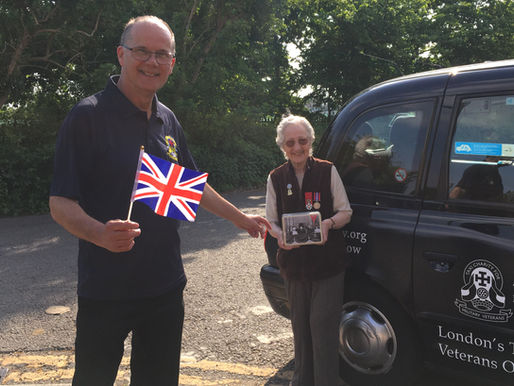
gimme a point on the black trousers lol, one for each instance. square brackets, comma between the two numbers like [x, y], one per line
[102, 327]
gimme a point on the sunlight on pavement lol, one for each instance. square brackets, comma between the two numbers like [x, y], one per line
[58, 367]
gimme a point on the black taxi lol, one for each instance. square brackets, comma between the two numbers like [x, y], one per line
[428, 164]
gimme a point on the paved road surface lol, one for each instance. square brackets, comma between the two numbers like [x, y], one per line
[230, 333]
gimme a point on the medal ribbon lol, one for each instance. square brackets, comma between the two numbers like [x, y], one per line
[308, 200]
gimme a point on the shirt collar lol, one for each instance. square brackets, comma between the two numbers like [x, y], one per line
[123, 104]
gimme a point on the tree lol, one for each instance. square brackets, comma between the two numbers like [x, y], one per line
[228, 81]
[348, 45]
[472, 31]
[40, 39]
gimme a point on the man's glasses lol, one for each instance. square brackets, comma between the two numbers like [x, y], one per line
[142, 54]
[301, 141]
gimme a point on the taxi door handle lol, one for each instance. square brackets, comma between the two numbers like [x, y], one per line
[440, 262]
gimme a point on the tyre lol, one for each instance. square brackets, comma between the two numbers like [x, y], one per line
[378, 344]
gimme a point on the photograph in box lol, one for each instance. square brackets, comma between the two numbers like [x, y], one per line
[301, 228]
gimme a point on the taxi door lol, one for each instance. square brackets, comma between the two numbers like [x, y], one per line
[463, 268]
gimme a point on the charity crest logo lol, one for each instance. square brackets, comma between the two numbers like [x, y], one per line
[481, 296]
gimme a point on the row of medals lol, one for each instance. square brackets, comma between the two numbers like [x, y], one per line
[308, 202]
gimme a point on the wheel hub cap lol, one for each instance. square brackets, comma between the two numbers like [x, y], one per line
[366, 339]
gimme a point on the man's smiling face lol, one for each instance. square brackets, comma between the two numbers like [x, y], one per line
[145, 77]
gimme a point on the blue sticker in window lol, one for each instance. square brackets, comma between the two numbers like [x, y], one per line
[478, 148]
[509, 101]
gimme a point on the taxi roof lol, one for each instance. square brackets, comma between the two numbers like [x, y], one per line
[457, 69]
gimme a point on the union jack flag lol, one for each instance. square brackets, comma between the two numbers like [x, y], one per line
[168, 188]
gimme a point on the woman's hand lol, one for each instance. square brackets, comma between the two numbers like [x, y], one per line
[284, 246]
[326, 226]
[276, 232]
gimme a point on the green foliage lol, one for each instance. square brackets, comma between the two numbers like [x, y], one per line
[349, 45]
[228, 81]
[229, 77]
[472, 31]
[27, 140]
[41, 37]
[238, 165]
[232, 80]
[237, 150]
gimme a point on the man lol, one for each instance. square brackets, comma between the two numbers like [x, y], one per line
[481, 181]
[131, 276]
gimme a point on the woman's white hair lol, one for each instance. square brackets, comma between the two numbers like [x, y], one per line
[288, 120]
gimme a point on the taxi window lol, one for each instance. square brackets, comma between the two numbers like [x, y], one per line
[482, 151]
[383, 147]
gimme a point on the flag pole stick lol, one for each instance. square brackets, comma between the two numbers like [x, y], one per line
[136, 178]
[130, 210]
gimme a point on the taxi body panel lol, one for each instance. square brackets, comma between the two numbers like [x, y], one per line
[427, 163]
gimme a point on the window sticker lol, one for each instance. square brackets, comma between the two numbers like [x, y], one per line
[509, 101]
[400, 174]
[484, 148]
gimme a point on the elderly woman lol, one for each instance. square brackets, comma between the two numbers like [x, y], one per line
[314, 274]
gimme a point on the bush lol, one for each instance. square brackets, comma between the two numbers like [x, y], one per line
[27, 140]
[238, 163]
[237, 153]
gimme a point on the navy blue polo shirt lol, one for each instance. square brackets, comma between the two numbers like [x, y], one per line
[95, 163]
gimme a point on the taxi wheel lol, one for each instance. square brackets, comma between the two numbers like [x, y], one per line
[377, 341]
